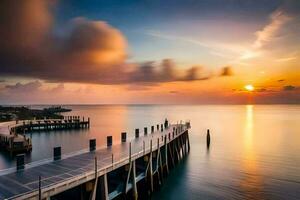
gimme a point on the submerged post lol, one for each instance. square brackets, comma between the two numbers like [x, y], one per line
[207, 138]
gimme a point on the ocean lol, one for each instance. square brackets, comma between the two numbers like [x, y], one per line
[254, 151]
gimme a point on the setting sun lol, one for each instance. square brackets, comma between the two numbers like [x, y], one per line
[249, 87]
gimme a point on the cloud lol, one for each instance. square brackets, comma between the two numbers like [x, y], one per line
[280, 80]
[267, 34]
[24, 88]
[285, 59]
[289, 88]
[227, 71]
[277, 20]
[88, 51]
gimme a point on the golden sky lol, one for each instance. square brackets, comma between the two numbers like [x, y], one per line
[188, 54]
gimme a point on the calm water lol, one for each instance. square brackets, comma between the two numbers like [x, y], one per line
[254, 152]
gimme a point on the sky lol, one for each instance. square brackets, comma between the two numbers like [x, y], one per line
[149, 52]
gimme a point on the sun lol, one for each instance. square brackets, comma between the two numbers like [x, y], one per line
[249, 87]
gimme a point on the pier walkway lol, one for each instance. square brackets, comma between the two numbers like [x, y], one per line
[60, 175]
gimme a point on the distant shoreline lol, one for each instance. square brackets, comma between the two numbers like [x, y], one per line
[10, 113]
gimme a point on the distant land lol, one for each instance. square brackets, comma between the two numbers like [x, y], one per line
[8, 113]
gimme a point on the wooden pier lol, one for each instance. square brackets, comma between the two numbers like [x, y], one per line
[14, 140]
[129, 170]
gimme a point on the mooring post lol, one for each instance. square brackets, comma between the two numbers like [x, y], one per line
[137, 133]
[123, 136]
[143, 147]
[152, 129]
[56, 153]
[207, 138]
[40, 188]
[109, 141]
[161, 127]
[145, 130]
[92, 144]
[20, 161]
[157, 126]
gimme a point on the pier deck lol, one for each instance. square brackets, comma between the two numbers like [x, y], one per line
[60, 175]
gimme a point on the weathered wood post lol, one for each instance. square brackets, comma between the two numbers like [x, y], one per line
[56, 153]
[161, 127]
[92, 144]
[207, 138]
[20, 161]
[152, 129]
[123, 136]
[145, 130]
[157, 126]
[137, 133]
[109, 141]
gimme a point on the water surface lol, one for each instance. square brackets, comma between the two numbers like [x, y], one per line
[254, 151]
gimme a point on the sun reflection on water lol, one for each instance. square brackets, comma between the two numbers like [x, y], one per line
[251, 181]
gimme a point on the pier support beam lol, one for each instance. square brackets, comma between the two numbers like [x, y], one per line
[103, 187]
